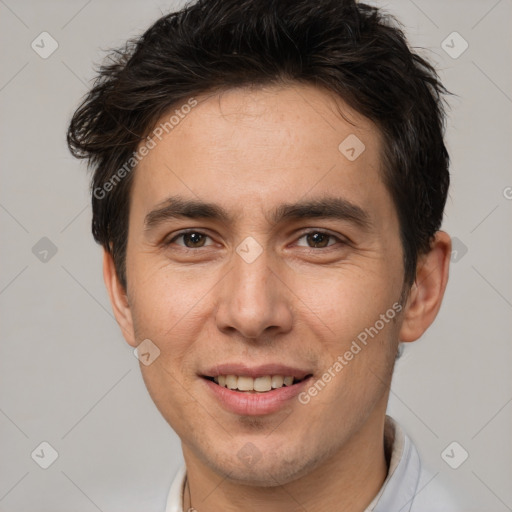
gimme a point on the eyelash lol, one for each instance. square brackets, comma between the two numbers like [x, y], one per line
[315, 231]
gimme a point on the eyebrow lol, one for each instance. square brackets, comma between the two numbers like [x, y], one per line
[337, 208]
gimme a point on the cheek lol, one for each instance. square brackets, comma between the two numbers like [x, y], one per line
[356, 315]
[344, 302]
[356, 378]
[161, 298]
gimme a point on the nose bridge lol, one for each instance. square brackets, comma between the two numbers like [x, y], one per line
[251, 279]
[253, 299]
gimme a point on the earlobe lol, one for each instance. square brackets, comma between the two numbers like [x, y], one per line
[118, 299]
[427, 291]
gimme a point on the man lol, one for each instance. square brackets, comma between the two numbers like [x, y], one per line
[269, 183]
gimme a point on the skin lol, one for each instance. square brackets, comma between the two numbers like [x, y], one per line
[296, 304]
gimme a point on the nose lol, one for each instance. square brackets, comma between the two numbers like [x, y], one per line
[254, 300]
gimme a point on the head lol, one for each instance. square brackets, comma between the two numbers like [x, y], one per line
[269, 184]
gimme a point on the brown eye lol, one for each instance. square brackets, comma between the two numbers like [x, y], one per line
[318, 239]
[195, 239]
[191, 239]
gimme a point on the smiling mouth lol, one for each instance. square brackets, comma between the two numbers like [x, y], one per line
[263, 384]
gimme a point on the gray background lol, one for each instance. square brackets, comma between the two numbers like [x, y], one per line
[67, 376]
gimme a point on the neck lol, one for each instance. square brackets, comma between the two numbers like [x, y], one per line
[347, 481]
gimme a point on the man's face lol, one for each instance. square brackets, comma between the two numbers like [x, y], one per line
[261, 295]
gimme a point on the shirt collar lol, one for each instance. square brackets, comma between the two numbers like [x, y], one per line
[397, 491]
[399, 488]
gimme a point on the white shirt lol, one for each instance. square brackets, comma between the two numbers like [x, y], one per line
[407, 488]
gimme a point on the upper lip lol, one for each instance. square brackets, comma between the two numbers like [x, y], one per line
[240, 369]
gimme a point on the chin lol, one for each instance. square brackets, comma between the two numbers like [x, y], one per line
[262, 476]
[252, 467]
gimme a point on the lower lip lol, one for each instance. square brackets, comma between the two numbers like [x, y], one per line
[255, 404]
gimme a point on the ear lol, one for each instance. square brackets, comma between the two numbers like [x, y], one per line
[427, 292]
[118, 299]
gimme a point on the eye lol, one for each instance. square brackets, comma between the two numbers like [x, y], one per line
[319, 239]
[191, 239]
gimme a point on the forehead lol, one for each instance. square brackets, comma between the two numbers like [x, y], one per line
[263, 146]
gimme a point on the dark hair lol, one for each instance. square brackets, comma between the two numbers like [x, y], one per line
[350, 49]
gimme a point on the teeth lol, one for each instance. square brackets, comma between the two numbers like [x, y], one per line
[259, 384]
[288, 381]
[245, 384]
[231, 382]
[277, 381]
[263, 383]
